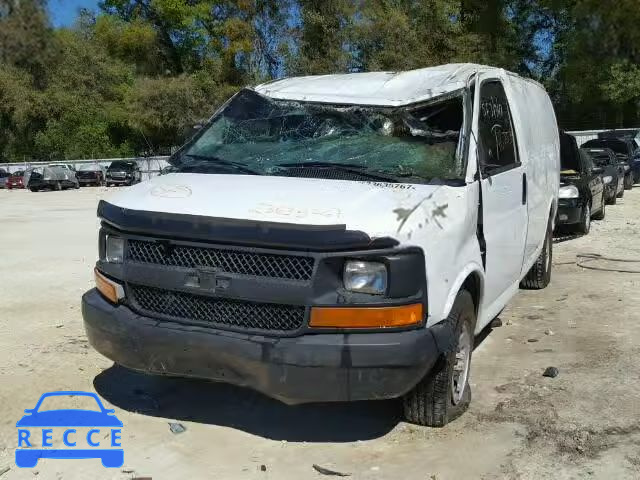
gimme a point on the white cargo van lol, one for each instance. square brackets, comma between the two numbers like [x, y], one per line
[335, 238]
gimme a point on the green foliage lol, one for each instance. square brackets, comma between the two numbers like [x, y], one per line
[134, 78]
[164, 109]
[402, 35]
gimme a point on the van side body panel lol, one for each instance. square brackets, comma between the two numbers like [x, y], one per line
[539, 147]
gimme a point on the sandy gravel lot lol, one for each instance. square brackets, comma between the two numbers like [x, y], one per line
[583, 424]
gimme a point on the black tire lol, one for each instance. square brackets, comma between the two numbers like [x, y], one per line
[431, 402]
[628, 182]
[613, 200]
[602, 212]
[585, 221]
[540, 274]
[57, 187]
[621, 194]
[34, 189]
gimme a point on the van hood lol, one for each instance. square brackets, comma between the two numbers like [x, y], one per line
[378, 209]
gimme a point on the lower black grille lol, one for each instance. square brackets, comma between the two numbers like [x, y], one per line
[215, 312]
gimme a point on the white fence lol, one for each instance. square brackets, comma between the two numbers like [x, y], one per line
[149, 166]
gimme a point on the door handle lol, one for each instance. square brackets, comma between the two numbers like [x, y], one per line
[524, 189]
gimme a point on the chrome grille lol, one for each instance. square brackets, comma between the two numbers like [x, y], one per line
[229, 261]
[215, 312]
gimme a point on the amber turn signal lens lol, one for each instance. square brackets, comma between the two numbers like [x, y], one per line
[366, 317]
[106, 287]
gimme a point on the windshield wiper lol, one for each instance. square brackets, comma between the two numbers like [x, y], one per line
[205, 164]
[344, 167]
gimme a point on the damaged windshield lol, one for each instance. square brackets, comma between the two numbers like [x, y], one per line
[256, 135]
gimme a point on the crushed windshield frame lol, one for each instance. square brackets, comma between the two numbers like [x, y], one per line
[461, 151]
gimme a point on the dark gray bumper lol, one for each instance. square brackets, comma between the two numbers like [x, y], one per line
[569, 213]
[120, 181]
[308, 368]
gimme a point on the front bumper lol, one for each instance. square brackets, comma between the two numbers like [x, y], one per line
[120, 181]
[611, 190]
[89, 181]
[303, 369]
[569, 212]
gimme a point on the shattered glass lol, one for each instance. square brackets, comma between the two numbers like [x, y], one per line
[259, 135]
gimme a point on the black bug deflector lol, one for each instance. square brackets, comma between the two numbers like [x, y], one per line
[239, 232]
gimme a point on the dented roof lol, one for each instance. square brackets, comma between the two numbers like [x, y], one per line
[375, 88]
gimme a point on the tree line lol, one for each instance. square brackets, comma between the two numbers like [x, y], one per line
[133, 78]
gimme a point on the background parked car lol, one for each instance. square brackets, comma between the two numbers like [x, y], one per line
[581, 188]
[607, 163]
[632, 139]
[91, 174]
[67, 166]
[123, 172]
[15, 180]
[52, 177]
[625, 149]
[4, 176]
[168, 169]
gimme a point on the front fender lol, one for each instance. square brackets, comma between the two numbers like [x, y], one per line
[471, 268]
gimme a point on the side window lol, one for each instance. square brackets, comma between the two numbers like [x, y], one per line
[497, 143]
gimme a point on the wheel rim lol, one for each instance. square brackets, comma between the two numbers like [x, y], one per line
[587, 219]
[461, 366]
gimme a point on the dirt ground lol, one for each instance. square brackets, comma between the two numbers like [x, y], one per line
[585, 423]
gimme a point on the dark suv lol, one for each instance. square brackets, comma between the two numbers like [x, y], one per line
[608, 164]
[123, 172]
[582, 194]
[626, 150]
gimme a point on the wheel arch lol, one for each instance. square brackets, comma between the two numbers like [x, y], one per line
[471, 278]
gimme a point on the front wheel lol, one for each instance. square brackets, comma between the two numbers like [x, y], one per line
[585, 221]
[444, 393]
[628, 182]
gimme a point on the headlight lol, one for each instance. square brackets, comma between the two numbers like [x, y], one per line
[569, 191]
[365, 277]
[114, 250]
[608, 179]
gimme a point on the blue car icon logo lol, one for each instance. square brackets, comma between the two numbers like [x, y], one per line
[97, 420]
